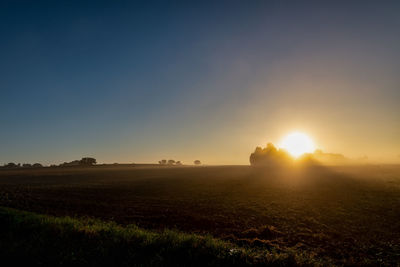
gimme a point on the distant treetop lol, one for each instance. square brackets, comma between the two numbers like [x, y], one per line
[88, 161]
[270, 155]
[170, 162]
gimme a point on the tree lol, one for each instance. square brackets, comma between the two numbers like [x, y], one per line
[171, 162]
[37, 165]
[87, 161]
[270, 155]
[163, 162]
[178, 163]
[26, 165]
[197, 162]
[11, 165]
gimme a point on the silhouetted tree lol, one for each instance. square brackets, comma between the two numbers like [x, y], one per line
[328, 158]
[11, 165]
[197, 162]
[178, 163]
[72, 163]
[163, 162]
[88, 161]
[26, 165]
[270, 155]
[37, 165]
[171, 162]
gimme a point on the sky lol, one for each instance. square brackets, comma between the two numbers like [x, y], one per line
[142, 81]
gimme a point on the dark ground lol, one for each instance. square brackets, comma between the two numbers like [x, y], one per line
[350, 215]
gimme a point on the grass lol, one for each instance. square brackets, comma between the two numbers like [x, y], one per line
[40, 240]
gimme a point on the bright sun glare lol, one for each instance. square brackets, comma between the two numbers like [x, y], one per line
[297, 144]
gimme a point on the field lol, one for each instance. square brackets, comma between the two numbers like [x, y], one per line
[347, 215]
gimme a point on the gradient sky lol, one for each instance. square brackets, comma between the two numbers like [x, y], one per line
[143, 81]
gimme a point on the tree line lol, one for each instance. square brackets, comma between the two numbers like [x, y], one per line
[13, 165]
[86, 161]
[172, 162]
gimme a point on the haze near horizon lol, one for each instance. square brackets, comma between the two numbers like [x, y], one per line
[138, 82]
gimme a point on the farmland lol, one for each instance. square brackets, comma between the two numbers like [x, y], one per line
[344, 215]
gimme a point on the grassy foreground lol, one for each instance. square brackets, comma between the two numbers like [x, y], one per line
[40, 240]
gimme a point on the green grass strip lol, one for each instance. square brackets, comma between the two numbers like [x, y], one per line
[41, 240]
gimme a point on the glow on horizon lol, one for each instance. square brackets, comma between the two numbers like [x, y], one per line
[297, 144]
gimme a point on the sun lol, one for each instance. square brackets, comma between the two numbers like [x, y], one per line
[297, 144]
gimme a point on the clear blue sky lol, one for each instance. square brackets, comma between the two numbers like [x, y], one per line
[208, 80]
